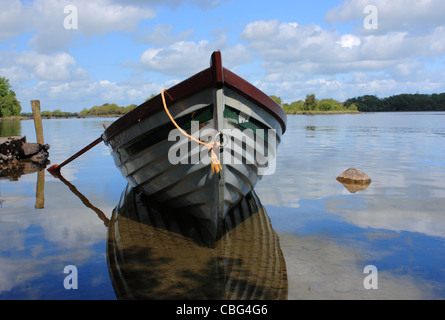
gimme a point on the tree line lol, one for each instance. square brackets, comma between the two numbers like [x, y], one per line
[10, 106]
[313, 105]
[401, 102]
[105, 110]
[366, 103]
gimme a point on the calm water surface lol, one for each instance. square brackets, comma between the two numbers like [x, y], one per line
[325, 234]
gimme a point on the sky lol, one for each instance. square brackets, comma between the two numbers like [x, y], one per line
[72, 55]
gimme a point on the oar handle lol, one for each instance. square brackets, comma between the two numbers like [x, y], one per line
[88, 147]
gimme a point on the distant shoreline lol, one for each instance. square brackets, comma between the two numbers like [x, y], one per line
[317, 112]
[307, 112]
[67, 117]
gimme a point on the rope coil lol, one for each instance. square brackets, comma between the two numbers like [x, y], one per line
[215, 164]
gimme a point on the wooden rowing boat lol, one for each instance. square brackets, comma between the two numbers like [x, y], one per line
[216, 101]
[157, 254]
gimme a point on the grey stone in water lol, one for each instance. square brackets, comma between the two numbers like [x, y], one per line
[30, 149]
[354, 176]
[40, 157]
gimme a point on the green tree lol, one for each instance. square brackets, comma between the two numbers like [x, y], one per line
[310, 103]
[57, 113]
[294, 107]
[367, 103]
[83, 113]
[324, 106]
[130, 107]
[4, 87]
[9, 105]
[277, 100]
[352, 107]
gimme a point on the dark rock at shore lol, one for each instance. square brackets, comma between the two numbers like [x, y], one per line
[40, 157]
[15, 148]
[30, 149]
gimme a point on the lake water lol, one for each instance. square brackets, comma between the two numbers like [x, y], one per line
[325, 234]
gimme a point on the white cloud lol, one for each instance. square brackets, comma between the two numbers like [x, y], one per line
[12, 15]
[45, 18]
[47, 67]
[113, 17]
[437, 43]
[162, 34]
[301, 59]
[394, 15]
[75, 95]
[203, 4]
[58, 82]
[180, 58]
[314, 50]
[292, 59]
[61, 84]
[185, 58]
[29, 65]
[261, 30]
[349, 41]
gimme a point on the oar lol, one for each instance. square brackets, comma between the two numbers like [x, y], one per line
[54, 169]
[84, 199]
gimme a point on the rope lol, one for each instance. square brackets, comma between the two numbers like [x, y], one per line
[215, 164]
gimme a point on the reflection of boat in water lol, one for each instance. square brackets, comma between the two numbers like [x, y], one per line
[233, 116]
[165, 255]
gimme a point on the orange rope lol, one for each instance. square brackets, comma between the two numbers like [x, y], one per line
[215, 164]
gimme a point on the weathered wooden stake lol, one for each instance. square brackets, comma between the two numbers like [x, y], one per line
[40, 190]
[35, 105]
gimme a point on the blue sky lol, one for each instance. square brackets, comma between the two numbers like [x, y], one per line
[123, 51]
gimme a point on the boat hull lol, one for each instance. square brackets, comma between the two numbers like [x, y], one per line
[173, 170]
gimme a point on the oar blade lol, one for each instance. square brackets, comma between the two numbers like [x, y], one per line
[54, 170]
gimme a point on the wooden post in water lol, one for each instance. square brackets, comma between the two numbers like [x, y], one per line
[40, 193]
[40, 190]
[35, 105]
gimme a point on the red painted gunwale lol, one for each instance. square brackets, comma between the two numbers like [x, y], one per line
[216, 76]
